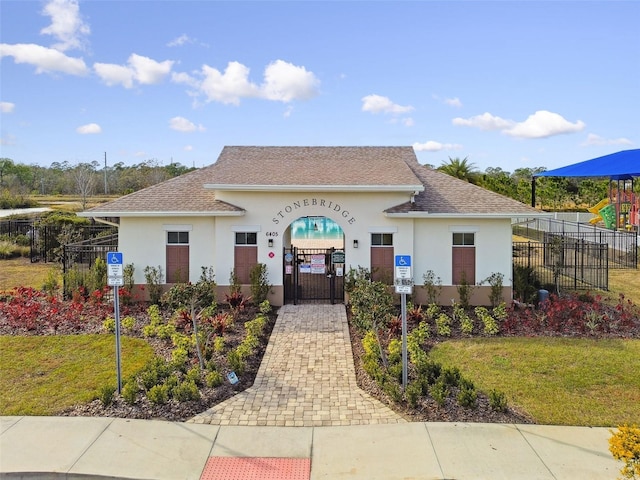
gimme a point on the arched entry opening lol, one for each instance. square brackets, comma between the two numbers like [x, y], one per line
[313, 261]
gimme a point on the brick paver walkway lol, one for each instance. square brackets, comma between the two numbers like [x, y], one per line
[306, 378]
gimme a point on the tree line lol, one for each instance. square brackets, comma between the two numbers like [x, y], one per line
[552, 193]
[19, 182]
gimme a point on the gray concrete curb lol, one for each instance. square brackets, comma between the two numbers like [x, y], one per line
[88, 447]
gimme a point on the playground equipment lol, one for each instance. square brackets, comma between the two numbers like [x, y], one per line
[620, 211]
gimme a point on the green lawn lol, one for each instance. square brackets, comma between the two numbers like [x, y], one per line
[42, 375]
[557, 381]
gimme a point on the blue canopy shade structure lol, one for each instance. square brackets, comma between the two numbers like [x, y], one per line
[622, 165]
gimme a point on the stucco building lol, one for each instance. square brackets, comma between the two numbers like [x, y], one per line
[239, 212]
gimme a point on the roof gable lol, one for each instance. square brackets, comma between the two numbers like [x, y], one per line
[314, 168]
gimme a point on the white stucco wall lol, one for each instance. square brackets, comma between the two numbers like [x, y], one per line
[427, 240]
[433, 240]
[357, 214]
[143, 241]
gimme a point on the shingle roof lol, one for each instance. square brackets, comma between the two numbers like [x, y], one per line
[350, 167]
[383, 168]
[447, 195]
[181, 195]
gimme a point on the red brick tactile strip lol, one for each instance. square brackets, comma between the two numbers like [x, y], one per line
[306, 378]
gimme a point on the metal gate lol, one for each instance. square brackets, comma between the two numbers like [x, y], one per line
[313, 275]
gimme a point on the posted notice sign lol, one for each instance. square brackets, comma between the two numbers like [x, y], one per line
[403, 278]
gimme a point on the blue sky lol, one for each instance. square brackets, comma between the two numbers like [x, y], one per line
[506, 84]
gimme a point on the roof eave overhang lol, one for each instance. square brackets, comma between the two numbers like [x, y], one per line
[466, 215]
[211, 213]
[315, 188]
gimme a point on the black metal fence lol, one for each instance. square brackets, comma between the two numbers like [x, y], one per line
[13, 228]
[623, 246]
[565, 262]
[79, 257]
[48, 241]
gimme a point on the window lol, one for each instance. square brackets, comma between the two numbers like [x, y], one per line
[381, 239]
[181, 238]
[464, 239]
[177, 257]
[245, 255]
[382, 261]
[464, 258]
[246, 238]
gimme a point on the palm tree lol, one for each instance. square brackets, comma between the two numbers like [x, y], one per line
[462, 169]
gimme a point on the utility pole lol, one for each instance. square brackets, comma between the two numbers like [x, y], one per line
[105, 173]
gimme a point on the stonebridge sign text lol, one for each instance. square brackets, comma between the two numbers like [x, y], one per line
[334, 208]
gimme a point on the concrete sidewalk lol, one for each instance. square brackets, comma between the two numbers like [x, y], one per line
[87, 447]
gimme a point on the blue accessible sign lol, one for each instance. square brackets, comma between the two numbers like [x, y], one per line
[114, 258]
[114, 269]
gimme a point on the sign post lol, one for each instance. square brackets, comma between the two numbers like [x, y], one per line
[115, 278]
[404, 285]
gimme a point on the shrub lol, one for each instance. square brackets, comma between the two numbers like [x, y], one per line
[158, 394]
[109, 325]
[497, 401]
[625, 445]
[428, 370]
[260, 286]
[439, 391]
[433, 286]
[467, 395]
[256, 326]
[433, 311]
[393, 390]
[490, 323]
[413, 393]
[52, 282]
[154, 278]
[214, 379]
[443, 325]
[218, 344]
[236, 362]
[185, 391]
[451, 376]
[464, 291]
[129, 322]
[130, 391]
[495, 281]
[106, 393]
[265, 307]
[372, 304]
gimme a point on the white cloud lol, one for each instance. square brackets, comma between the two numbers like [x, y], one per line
[230, 86]
[112, 74]
[433, 146]
[486, 121]
[379, 104]
[543, 124]
[148, 71]
[179, 41]
[453, 102]
[43, 58]
[8, 141]
[408, 122]
[7, 107]
[283, 82]
[66, 24]
[89, 128]
[597, 140]
[188, 148]
[181, 124]
[143, 70]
